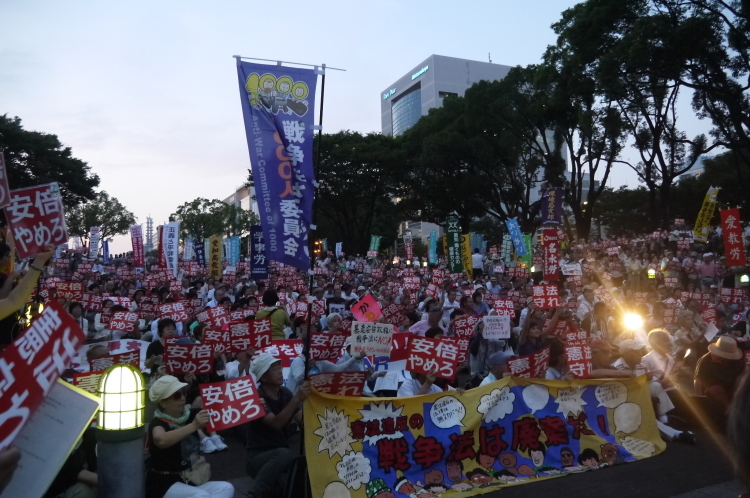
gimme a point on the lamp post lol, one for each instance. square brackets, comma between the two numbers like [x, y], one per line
[120, 432]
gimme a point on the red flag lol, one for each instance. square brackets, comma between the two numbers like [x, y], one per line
[731, 229]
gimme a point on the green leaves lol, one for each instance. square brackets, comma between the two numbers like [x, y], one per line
[103, 211]
[201, 218]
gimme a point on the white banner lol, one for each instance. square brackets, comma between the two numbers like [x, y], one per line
[170, 245]
[94, 241]
[189, 253]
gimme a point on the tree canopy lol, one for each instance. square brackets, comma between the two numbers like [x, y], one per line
[36, 158]
[203, 218]
[103, 211]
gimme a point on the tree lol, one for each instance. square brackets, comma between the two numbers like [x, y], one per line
[203, 218]
[357, 176]
[35, 158]
[637, 53]
[622, 211]
[103, 211]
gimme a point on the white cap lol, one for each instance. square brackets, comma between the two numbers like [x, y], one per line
[262, 363]
[164, 387]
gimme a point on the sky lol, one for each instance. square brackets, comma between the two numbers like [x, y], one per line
[146, 92]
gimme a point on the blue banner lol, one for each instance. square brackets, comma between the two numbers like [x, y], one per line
[200, 254]
[258, 260]
[234, 250]
[433, 247]
[105, 252]
[552, 206]
[516, 236]
[278, 105]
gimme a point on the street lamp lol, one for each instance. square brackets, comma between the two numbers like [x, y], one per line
[120, 433]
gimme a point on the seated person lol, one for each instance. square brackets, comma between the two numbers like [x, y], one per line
[74, 479]
[273, 441]
[498, 367]
[718, 371]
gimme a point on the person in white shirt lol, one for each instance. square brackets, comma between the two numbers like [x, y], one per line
[241, 366]
[450, 304]
[297, 370]
[498, 367]
[477, 264]
[586, 305]
[420, 384]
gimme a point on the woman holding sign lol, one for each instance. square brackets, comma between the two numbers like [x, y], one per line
[172, 443]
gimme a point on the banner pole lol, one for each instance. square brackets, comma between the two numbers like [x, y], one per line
[313, 226]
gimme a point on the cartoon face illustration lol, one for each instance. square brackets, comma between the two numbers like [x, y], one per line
[454, 470]
[537, 457]
[479, 477]
[588, 458]
[299, 92]
[567, 457]
[508, 460]
[284, 86]
[268, 85]
[485, 460]
[609, 453]
[434, 476]
[407, 488]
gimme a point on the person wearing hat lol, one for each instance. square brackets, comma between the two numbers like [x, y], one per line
[601, 358]
[498, 367]
[718, 371]
[173, 442]
[273, 440]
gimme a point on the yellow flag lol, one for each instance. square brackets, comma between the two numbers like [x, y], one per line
[466, 256]
[703, 222]
[215, 248]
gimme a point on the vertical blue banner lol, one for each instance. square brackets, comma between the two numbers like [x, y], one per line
[433, 247]
[234, 250]
[552, 206]
[258, 261]
[200, 253]
[516, 236]
[105, 252]
[278, 105]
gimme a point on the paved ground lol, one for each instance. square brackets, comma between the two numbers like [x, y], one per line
[684, 471]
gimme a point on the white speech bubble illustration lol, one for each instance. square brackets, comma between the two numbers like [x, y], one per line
[497, 404]
[570, 400]
[336, 489]
[447, 412]
[627, 418]
[334, 429]
[380, 411]
[611, 394]
[638, 447]
[535, 396]
[354, 470]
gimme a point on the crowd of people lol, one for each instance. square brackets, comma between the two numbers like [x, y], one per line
[647, 308]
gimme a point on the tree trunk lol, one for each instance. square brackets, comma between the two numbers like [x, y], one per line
[665, 197]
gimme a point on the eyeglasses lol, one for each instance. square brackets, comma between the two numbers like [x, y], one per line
[177, 395]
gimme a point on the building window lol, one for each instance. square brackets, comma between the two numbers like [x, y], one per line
[442, 95]
[406, 110]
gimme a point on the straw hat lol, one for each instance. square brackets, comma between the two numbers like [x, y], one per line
[726, 347]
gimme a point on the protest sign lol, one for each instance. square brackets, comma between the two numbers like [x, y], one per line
[504, 307]
[36, 218]
[136, 239]
[428, 355]
[578, 359]
[124, 321]
[733, 296]
[361, 444]
[88, 381]
[70, 290]
[175, 311]
[188, 358]
[496, 327]
[731, 231]
[4, 188]
[326, 346]
[551, 255]
[231, 403]
[571, 269]
[101, 363]
[219, 340]
[284, 349]
[703, 221]
[258, 262]
[215, 317]
[463, 326]
[340, 383]
[215, 255]
[533, 365]
[552, 200]
[255, 334]
[372, 338]
[545, 296]
[516, 237]
[30, 366]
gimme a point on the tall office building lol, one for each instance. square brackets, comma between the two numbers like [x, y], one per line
[425, 87]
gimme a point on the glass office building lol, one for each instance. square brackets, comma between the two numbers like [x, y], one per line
[425, 87]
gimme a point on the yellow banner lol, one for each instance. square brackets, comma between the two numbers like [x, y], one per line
[216, 250]
[703, 223]
[466, 256]
[510, 432]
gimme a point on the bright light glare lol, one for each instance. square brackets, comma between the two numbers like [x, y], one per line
[632, 321]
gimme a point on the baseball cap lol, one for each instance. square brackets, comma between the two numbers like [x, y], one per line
[262, 363]
[361, 287]
[629, 345]
[500, 358]
[164, 387]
